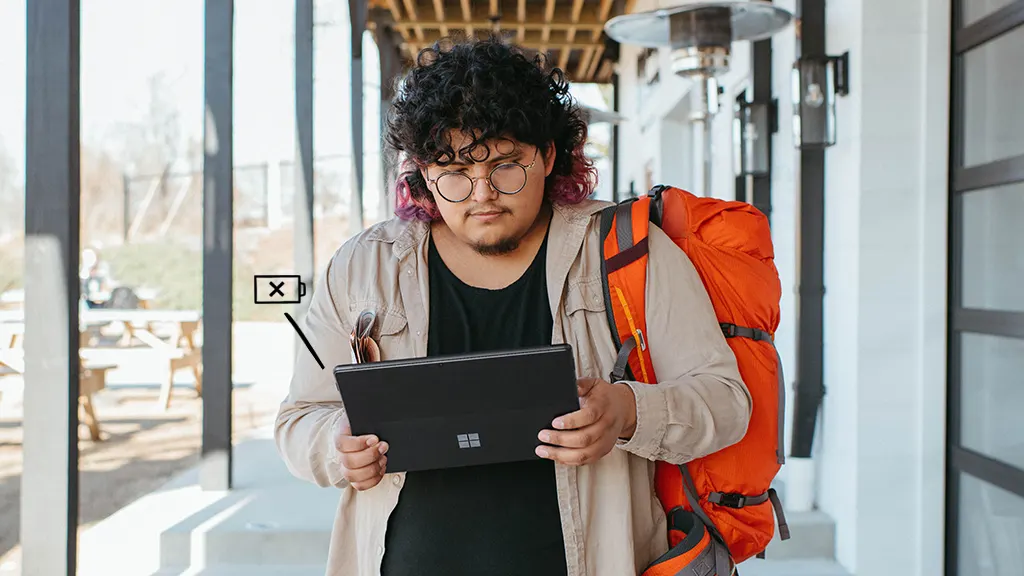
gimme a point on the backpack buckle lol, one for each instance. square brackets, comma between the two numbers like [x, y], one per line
[728, 329]
[732, 500]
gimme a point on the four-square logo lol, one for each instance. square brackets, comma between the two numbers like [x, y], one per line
[469, 440]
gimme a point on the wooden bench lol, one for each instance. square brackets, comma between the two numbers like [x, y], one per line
[92, 378]
[181, 352]
[185, 354]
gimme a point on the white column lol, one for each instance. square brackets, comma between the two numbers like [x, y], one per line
[882, 431]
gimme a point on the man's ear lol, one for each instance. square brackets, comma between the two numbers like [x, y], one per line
[549, 152]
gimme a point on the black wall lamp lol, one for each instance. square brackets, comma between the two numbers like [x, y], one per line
[817, 82]
[752, 127]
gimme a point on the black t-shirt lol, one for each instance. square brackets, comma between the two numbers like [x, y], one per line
[492, 520]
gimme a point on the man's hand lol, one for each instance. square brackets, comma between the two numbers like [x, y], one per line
[607, 412]
[363, 458]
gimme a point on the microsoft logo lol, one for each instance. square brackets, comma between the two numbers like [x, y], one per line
[469, 440]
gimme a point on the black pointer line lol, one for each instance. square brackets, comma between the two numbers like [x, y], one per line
[303, 336]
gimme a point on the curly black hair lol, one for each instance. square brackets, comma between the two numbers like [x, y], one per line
[492, 90]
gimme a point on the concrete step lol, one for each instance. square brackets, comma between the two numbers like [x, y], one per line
[246, 570]
[270, 520]
[812, 537]
[755, 567]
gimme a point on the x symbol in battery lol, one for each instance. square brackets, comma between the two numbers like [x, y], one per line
[276, 288]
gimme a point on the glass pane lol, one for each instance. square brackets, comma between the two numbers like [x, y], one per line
[991, 530]
[993, 258]
[992, 396]
[974, 10]
[12, 268]
[993, 82]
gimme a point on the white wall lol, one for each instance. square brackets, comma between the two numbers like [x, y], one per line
[882, 440]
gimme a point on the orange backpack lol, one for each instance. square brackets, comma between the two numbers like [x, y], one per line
[719, 507]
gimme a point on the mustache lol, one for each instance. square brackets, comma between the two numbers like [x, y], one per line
[488, 210]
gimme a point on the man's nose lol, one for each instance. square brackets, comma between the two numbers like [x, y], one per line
[482, 189]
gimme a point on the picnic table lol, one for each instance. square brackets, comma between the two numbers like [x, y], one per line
[181, 351]
[92, 378]
[15, 299]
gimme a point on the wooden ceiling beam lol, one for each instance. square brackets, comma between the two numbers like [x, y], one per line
[494, 16]
[603, 13]
[533, 41]
[563, 57]
[577, 8]
[549, 17]
[558, 15]
[529, 25]
[467, 16]
[410, 9]
[520, 18]
[439, 14]
[396, 12]
[595, 61]
[583, 65]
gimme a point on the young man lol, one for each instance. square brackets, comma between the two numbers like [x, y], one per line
[495, 246]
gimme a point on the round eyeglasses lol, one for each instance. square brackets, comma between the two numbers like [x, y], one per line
[507, 178]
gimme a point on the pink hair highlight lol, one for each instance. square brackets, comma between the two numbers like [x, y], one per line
[571, 188]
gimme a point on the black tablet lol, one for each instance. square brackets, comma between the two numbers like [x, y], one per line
[460, 410]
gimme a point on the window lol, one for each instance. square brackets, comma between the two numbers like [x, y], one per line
[985, 476]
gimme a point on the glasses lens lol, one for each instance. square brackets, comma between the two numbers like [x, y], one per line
[455, 187]
[508, 178]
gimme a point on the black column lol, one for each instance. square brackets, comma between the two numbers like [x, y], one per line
[762, 80]
[49, 482]
[304, 244]
[616, 105]
[215, 471]
[389, 46]
[357, 16]
[810, 387]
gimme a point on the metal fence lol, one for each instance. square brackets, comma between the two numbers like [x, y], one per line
[163, 206]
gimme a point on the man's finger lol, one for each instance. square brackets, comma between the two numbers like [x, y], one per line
[355, 443]
[365, 457]
[567, 456]
[367, 484]
[363, 474]
[583, 417]
[574, 438]
[585, 385]
[375, 469]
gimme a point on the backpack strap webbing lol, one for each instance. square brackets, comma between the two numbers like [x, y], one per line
[733, 331]
[624, 252]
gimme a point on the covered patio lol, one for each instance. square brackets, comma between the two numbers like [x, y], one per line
[570, 33]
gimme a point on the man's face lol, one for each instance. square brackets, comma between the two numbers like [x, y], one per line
[488, 213]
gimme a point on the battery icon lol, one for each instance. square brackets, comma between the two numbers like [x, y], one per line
[278, 289]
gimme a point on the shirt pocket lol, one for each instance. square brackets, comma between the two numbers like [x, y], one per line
[586, 328]
[389, 329]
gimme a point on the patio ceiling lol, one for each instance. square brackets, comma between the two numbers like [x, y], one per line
[570, 32]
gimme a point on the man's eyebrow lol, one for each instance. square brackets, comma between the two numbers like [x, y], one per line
[461, 163]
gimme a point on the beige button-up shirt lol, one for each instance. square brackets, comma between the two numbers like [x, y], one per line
[612, 522]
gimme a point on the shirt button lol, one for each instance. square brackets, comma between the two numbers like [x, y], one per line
[380, 550]
[418, 332]
[396, 480]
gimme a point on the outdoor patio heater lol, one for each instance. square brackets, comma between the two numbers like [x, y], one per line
[700, 35]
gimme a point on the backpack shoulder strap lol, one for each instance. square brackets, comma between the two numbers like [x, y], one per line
[624, 256]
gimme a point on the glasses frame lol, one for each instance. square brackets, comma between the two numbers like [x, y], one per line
[473, 181]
